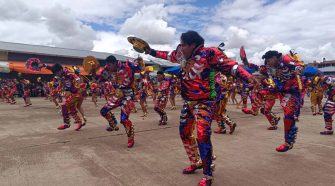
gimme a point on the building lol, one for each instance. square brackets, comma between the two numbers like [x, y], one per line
[327, 67]
[14, 55]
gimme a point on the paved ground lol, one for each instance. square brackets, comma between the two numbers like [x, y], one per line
[34, 152]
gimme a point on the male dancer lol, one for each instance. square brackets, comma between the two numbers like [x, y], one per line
[70, 83]
[316, 94]
[26, 92]
[329, 106]
[222, 96]
[196, 84]
[143, 92]
[122, 73]
[172, 92]
[284, 70]
[162, 90]
[265, 98]
[94, 91]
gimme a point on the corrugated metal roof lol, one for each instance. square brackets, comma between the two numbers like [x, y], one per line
[65, 52]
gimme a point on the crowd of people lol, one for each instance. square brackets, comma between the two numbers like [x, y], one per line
[207, 81]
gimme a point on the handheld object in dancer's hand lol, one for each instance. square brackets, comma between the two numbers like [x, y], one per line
[91, 64]
[243, 57]
[139, 45]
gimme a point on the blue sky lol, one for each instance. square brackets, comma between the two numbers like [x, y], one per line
[205, 3]
[103, 25]
[190, 20]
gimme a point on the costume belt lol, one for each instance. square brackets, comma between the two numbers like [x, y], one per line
[269, 97]
[196, 102]
[119, 93]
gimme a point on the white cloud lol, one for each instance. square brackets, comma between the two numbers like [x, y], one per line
[118, 44]
[101, 11]
[257, 56]
[110, 42]
[149, 24]
[299, 24]
[215, 31]
[68, 31]
[236, 37]
[18, 11]
[305, 26]
[316, 53]
[23, 32]
[181, 9]
[54, 25]
[327, 50]
[239, 9]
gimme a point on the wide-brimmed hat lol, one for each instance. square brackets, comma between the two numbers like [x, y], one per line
[138, 44]
[270, 54]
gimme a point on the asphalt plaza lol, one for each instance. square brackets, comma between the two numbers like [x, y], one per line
[34, 152]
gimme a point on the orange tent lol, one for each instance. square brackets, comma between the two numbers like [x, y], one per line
[21, 68]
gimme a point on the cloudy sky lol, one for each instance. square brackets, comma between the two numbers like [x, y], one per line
[307, 26]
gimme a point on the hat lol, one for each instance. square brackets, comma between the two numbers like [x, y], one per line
[160, 72]
[139, 45]
[270, 54]
[56, 68]
[111, 59]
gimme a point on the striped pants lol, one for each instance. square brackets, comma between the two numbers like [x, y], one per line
[329, 110]
[197, 114]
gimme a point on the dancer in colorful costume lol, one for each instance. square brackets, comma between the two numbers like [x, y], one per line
[122, 73]
[268, 96]
[2, 95]
[54, 90]
[107, 89]
[196, 84]
[83, 93]
[12, 89]
[284, 71]
[70, 83]
[222, 96]
[265, 98]
[245, 92]
[143, 91]
[162, 90]
[5, 91]
[305, 82]
[26, 92]
[94, 92]
[329, 106]
[250, 91]
[173, 92]
[232, 90]
[316, 94]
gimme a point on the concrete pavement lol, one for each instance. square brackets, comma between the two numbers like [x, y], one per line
[34, 152]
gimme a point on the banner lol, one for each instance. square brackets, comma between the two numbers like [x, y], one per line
[4, 67]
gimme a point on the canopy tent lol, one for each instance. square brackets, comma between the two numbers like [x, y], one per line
[20, 67]
[173, 70]
[250, 70]
[311, 71]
